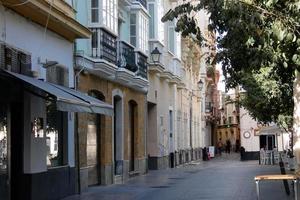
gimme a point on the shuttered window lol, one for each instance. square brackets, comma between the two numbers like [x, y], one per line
[14, 60]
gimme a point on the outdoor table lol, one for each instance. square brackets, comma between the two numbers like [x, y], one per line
[277, 177]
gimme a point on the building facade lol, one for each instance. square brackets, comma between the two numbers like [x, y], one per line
[228, 128]
[174, 133]
[38, 108]
[112, 66]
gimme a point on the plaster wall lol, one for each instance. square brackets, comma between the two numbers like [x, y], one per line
[43, 45]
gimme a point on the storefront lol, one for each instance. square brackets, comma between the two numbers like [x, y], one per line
[37, 148]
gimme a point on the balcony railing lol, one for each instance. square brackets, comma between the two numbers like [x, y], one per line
[142, 65]
[104, 45]
[143, 2]
[126, 56]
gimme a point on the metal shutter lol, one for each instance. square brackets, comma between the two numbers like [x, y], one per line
[15, 61]
[25, 61]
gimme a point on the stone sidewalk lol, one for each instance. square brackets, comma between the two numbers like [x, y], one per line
[222, 178]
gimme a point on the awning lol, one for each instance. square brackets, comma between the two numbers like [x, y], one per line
[271, 130]
[67, 99]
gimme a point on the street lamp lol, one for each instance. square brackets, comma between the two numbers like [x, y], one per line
[155, 55]
[200, 85]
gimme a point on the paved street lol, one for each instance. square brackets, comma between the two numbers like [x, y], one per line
[223, 178]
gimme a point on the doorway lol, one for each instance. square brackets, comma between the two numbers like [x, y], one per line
[267, 141]
[118, 136]
[94, 123]
[132, 127]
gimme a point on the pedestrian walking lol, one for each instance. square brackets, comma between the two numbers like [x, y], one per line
[228, 146]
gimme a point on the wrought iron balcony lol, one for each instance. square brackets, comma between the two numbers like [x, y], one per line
[126, 56]
[104, 45]
[142, 65]
[143, 2]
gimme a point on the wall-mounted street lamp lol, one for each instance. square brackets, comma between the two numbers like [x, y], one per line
[200, 85]
[155, 55]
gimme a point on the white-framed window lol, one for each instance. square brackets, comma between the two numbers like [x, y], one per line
[156, 26]
[105, 12]
[139, 31]
[151, 10]
[95, 11]
[174, 40]
[171, 37]
[143, 32]
[133, 31]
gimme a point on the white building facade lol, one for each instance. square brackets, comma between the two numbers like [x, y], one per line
[174, 133]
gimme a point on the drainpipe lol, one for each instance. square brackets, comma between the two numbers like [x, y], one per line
[76, 81]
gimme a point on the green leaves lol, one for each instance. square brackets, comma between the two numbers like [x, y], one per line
[258, 47]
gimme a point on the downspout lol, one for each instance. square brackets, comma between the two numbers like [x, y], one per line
[76, 81]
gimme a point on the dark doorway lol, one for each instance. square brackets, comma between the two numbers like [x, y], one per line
[133, 132]
[18, 187]
[267, 141]
[118, 136]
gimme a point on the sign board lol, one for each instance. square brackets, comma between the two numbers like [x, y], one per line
[211, 150]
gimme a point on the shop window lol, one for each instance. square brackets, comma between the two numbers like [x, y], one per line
[55, 136]
[3, 141]
[56, 121]
[37, 127]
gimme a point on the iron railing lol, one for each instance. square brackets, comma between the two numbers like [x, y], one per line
[142, 65]
[104, 45]
[126, 56]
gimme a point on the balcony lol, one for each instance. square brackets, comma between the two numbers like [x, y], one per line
[61, 16]
[126, 56]
[104, 48]
[142, 65]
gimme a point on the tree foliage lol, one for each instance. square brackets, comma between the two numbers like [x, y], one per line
[258, 46]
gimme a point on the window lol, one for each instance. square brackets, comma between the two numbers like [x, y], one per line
[55, 134]
[174, 40]
[143, 36]
[56, 122]
[133, 29]
[3, 139]
[139, 31]
[110, 18]
[107, 13]
[152, 21]
[15, 60]
[171, 39]
[95, 11]
[230, 120]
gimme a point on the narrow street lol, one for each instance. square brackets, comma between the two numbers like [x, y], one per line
[223, 178]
